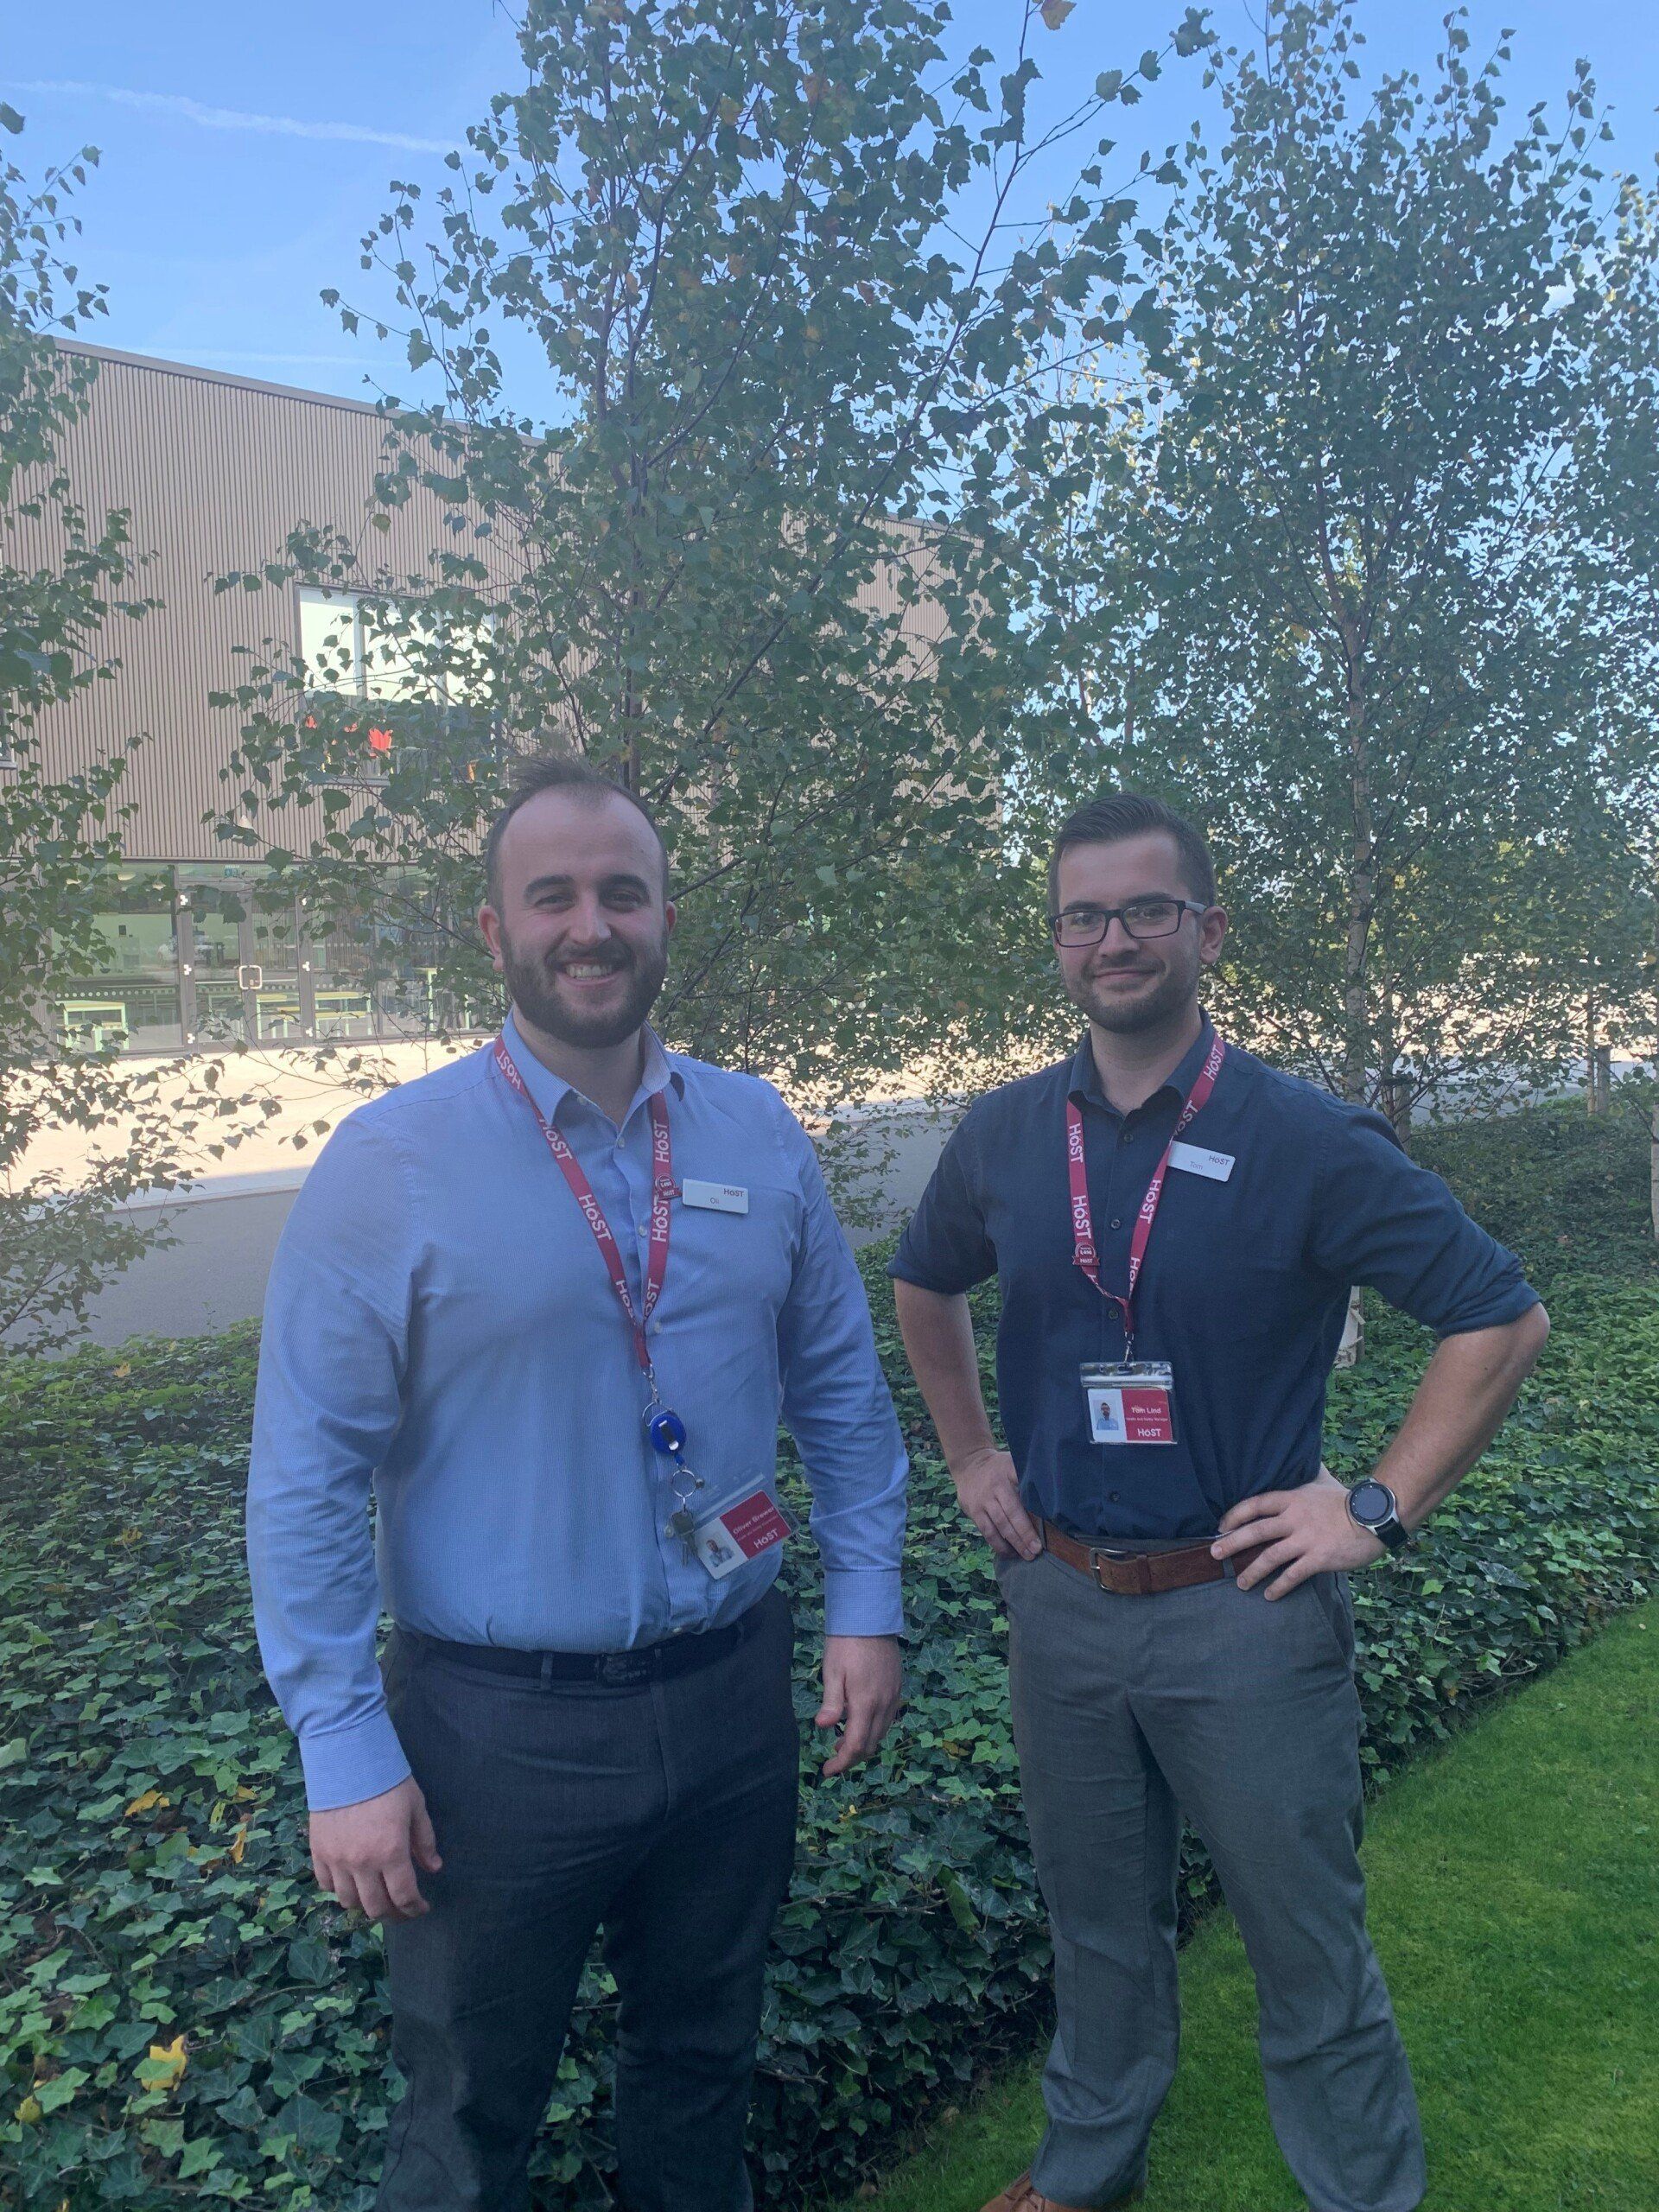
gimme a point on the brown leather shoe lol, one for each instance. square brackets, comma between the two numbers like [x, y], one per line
[1020, 2197]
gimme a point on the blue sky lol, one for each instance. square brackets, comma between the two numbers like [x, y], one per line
[245, 150]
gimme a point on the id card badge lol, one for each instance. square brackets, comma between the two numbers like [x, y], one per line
[739, 1529]
[1130, 1402]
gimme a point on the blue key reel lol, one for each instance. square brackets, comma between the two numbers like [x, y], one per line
[665, 1433]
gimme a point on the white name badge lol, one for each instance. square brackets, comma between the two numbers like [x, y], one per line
[1217, 1165]
[719, 1197]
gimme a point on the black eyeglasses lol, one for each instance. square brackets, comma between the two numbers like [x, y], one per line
[1142, 918]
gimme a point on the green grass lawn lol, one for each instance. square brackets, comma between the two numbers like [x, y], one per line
[1515, 1897]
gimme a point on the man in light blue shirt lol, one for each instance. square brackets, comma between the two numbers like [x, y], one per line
[484, 1292]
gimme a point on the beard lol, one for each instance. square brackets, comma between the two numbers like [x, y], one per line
[1160, 1002]
[534, 987]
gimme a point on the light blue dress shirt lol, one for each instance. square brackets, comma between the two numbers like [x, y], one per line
[440, 1326]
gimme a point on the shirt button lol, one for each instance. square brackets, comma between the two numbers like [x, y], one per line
[1113, 1495]
[1116, 1223]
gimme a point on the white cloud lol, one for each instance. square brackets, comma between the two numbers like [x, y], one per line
[229, 118]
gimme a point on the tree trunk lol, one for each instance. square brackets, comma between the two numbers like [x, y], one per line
[1362, 875]
[1362, 909]
[1394, 1092]
[1592, 1097]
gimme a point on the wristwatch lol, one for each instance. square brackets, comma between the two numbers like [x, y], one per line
[1371, 1507]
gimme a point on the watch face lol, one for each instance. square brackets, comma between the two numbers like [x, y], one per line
[1368, 1502]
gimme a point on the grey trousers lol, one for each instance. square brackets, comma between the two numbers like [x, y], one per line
[665, 1813]
[1242, 1714]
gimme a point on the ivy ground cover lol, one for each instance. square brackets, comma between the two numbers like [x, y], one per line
[182, 2018]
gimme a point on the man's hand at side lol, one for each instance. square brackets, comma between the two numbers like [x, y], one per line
[863, 1688]
[939, 1333]
[1307, 1531]
[366, 1854]
[987, 1489]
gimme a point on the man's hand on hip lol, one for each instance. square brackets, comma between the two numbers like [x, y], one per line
[1307, 1531]
[863, 1688]
[987, 1489]
[366, 1854]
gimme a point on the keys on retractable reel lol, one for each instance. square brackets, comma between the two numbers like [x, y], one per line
[666, 1432]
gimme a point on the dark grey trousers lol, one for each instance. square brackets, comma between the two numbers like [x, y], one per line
[665, 1813]
[1244, 1714]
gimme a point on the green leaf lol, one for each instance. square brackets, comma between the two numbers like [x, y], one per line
[957, 1897]
[201, 2156]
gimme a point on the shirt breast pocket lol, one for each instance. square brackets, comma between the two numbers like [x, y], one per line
[736, 1260]
[1263, 1287]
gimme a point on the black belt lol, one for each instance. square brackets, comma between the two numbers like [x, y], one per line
[649, 1663]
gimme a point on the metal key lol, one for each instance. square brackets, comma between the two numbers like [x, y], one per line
[682, 1522]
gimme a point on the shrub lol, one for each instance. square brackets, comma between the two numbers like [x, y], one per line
[1567, 1188]
[180, 2013]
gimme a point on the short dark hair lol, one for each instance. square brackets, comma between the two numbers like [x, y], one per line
[556, 769]
[1117, 815]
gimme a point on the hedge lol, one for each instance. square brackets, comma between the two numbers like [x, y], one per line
[181, 2017]
[1567, 1188]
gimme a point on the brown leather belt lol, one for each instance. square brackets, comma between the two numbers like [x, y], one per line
[1144, 1574]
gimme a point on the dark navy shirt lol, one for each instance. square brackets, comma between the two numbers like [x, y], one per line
[1243, 1291]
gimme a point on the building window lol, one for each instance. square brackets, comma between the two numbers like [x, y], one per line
[130, 1000]
[358, 649]
[203, 955]
[376, 972]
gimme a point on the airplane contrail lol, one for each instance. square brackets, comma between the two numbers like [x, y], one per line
[229, 119]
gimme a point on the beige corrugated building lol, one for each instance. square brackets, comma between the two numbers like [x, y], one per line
[215, 472]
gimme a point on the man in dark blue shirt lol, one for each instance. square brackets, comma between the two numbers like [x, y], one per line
[1175, 1228]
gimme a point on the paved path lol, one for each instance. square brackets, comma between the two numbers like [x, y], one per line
[226, 1229]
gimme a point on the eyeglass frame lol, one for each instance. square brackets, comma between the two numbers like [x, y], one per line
[1111, 914]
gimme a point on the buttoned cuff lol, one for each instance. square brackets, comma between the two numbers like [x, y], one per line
[862, 1601]
[345, 1765]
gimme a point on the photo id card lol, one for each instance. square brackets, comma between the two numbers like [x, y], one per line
[1130, 1402]
[741, 1530]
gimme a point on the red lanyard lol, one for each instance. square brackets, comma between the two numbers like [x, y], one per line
[1083, 1221]
[662, 1193]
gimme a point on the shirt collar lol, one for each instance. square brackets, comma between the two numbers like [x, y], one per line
[1083, 1078]
[551, 1091]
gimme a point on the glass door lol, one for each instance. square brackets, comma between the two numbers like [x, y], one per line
[240, 964]
[130, 1002]
[270, 966]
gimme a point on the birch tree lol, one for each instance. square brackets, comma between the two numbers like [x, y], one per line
[1361, 569]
